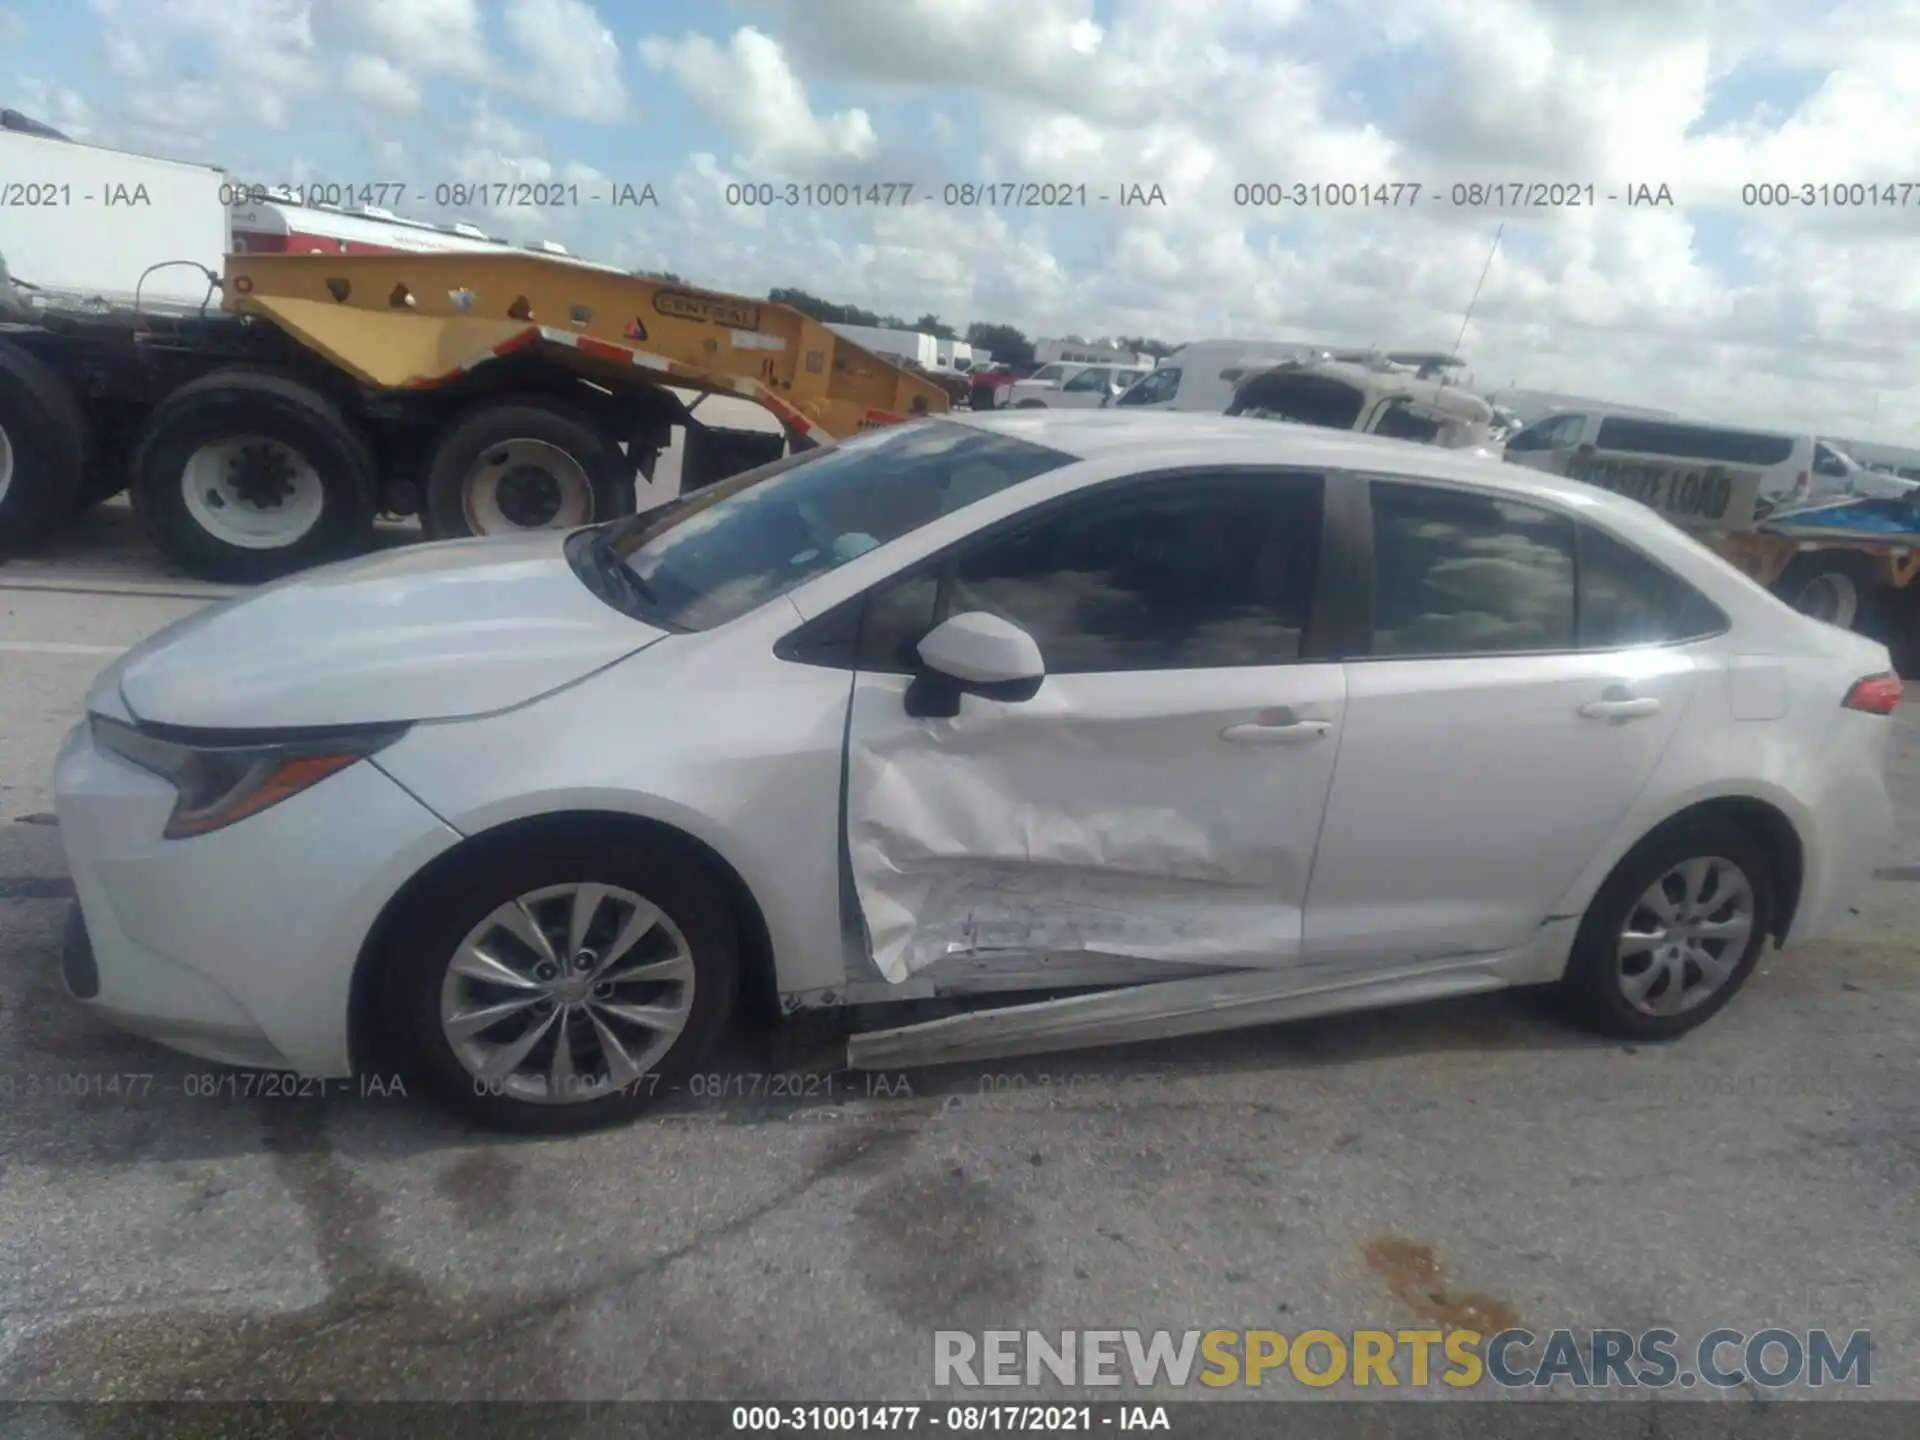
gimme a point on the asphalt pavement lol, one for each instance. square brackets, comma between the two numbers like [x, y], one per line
[783, 1230]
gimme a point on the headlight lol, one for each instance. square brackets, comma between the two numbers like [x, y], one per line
[219, 784]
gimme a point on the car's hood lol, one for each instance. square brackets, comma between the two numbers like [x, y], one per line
[426, 632]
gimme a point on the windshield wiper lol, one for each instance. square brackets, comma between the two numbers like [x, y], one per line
[607, 563]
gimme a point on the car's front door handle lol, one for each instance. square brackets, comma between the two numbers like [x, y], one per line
[1291, 733]
[1621, 709]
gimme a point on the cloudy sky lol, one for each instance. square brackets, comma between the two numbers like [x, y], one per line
[1804, 314]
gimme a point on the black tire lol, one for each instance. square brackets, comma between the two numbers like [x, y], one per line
[448, 513]
[1029, 405]
[109, 461]
[439, 920]
[1843, 585]
[1900, 630]
[46, 434]
[228, 405]
[1592, 990]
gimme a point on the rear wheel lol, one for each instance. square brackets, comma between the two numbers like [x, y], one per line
[1833, 586]
[525, 463]
[43, 450]
[245, 476]
[562, 989]
[1673, 933]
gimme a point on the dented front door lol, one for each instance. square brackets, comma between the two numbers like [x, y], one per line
[1160, 797]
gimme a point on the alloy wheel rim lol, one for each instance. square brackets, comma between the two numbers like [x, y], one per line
[1685, 936]
[567, 994]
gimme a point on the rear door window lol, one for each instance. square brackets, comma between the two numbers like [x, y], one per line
[1457, 573]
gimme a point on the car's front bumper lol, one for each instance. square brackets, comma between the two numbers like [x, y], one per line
[238, 946]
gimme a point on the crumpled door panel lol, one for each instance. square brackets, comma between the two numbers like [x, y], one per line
[1088, 820]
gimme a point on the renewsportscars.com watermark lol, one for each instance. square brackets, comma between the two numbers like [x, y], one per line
[1510, 1359]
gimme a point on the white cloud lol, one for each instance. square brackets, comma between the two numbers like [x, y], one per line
[420, 36]
[383, 86]
[750, 90]
[576, 60]
[54, 105]
[1719, 308]
[265, 65]
[504, 180]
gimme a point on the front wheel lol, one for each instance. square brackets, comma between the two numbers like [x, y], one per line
[562, 989]
[1673, 933]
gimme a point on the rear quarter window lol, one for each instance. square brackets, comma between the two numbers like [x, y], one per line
[1627, 599]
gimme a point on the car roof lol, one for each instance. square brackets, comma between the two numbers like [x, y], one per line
[1158, 438]
[1165, 439]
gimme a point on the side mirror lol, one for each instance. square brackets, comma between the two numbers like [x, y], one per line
[974, 654]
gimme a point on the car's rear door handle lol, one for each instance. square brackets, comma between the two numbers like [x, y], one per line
[1291, 732]
[1621, 709]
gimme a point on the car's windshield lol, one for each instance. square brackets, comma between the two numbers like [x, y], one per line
[754, 537]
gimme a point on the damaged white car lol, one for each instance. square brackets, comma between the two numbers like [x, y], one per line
[1178, 722]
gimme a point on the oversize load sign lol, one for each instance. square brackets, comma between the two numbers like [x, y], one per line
[1698, 497]
[709, 309]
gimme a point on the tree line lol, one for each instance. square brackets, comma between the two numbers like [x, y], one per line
[1007, 344]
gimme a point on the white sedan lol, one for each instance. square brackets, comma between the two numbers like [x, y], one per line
[1188, 722]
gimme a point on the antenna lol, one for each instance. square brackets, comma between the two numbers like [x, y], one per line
[1467, 318]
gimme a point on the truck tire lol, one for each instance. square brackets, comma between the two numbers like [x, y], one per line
[43, 450]
[1836, 586]
[109, 459]
[524, 463]
[245, 475]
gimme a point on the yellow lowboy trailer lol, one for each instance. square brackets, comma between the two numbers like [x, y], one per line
[400, 322]
[486, 393]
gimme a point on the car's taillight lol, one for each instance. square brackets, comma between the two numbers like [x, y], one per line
[1876, 694]
[1802, 483]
